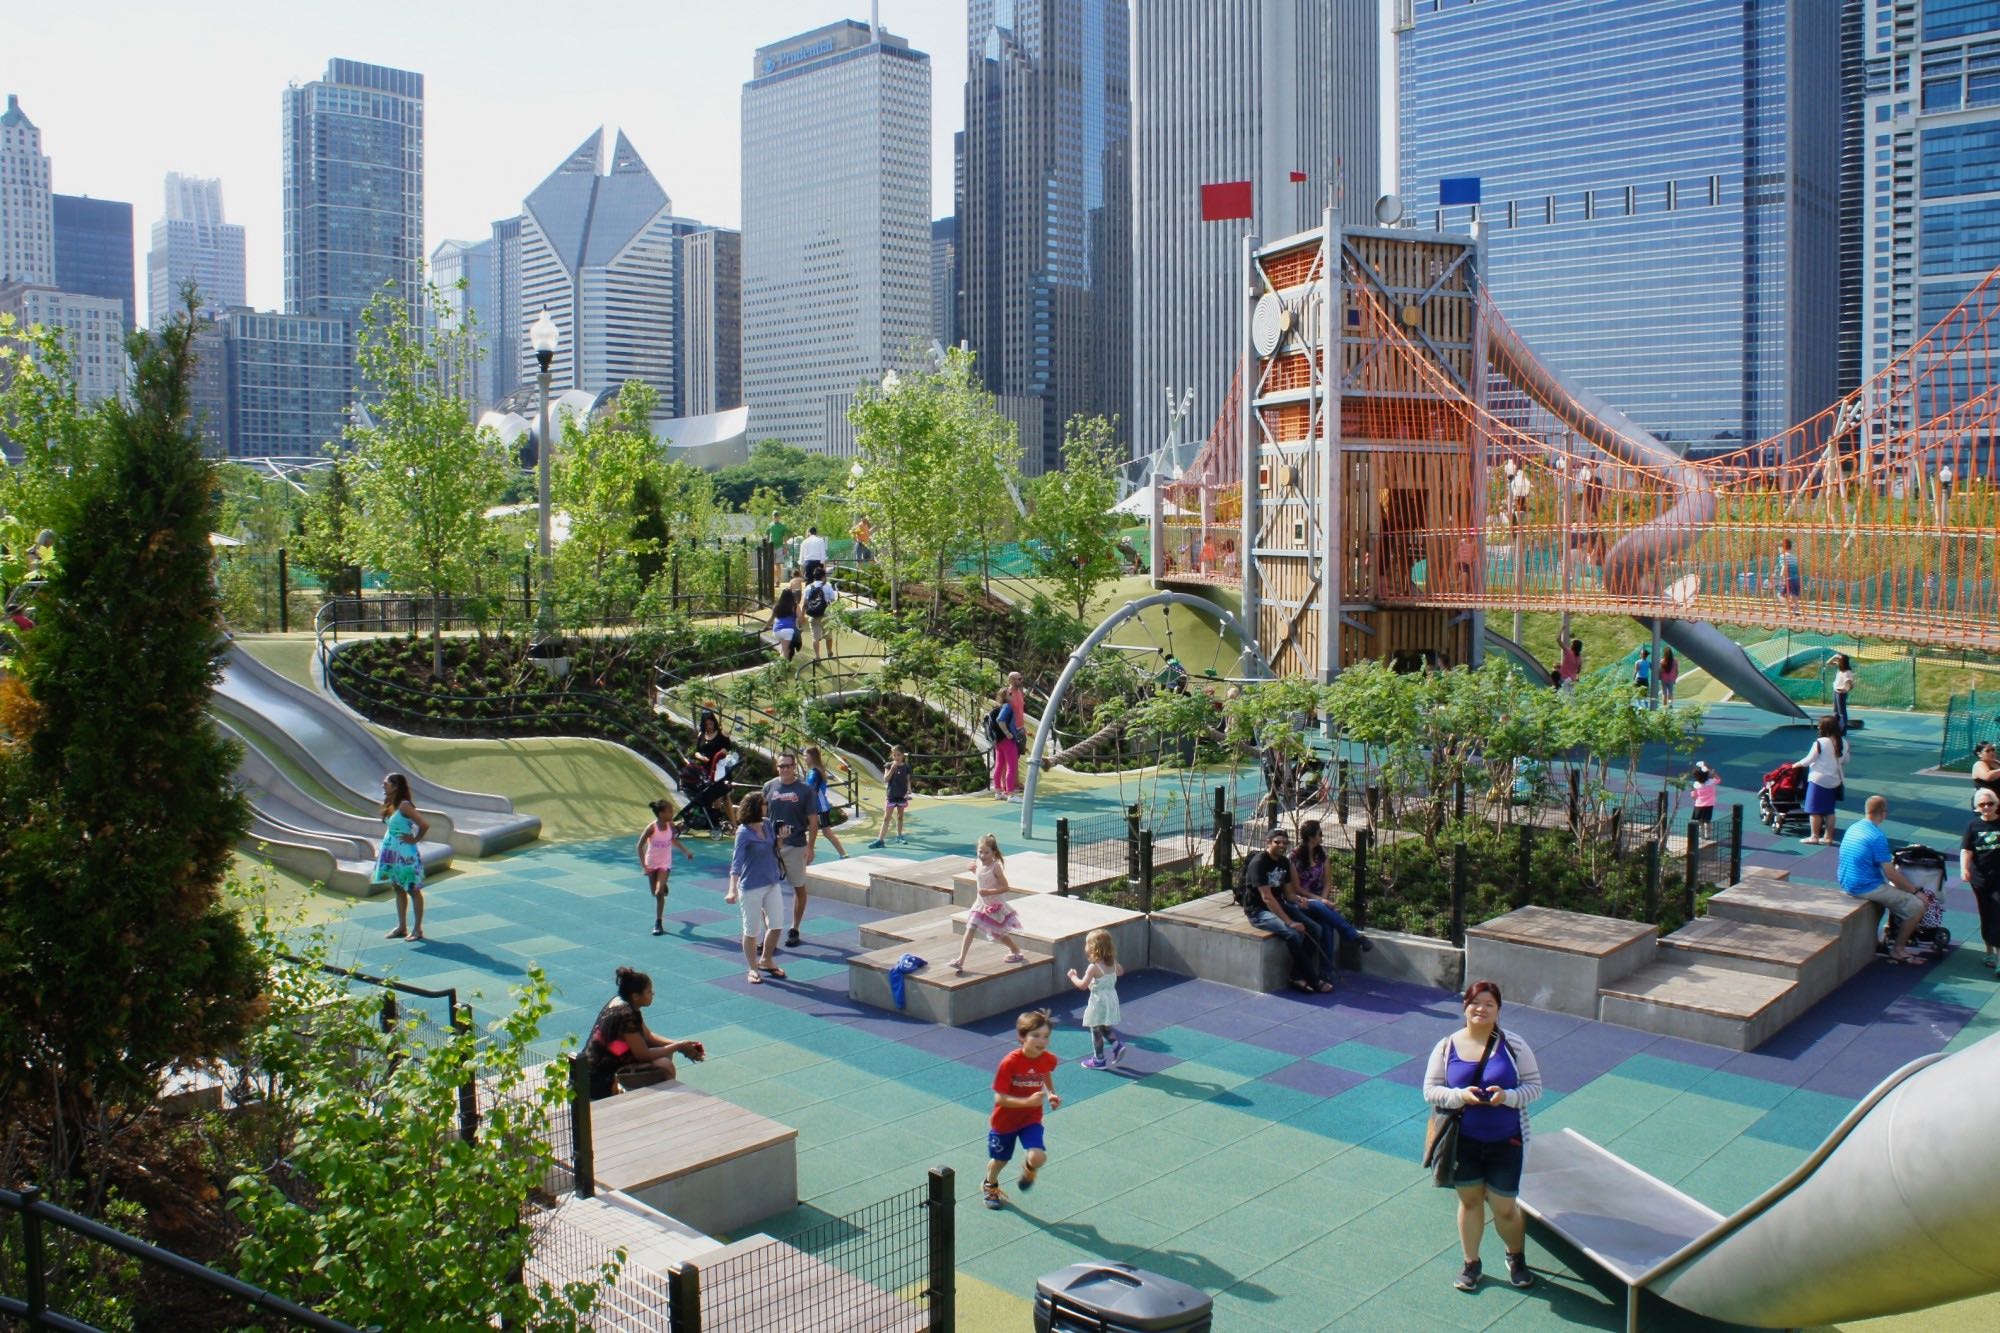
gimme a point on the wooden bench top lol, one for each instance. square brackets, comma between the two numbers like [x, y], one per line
[1621, 1217]
[1564, 932]
[669, 1130]
[1829, 906]
[1044, 916]
[1752, 940]
[1218, 911]
[1701, 988]
[933, 873]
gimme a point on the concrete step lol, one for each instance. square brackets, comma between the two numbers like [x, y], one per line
[1804, 907]
[1058, 928]
[915, 885]
[910, 926]
[1809, 957]
[847, 879]
[989, 985]
[1719, 1006]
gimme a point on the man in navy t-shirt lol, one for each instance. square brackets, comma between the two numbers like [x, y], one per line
[1868, 871]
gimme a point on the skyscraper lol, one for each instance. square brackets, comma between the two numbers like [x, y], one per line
[27, 209]
[354, 189]
[711, 321]
[463, 274]
[598, 253]
[504, 366]
[92, 330]
[1927, 208]
[192, 242]
[1680, 257]
[94, 250]
[1264, 91]
[1044, 214]
[944, 281]
[836, 225]
[287, 383]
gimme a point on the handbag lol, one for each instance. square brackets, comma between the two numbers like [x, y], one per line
[1441, 1135]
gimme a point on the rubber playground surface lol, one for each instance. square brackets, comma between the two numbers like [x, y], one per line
[1261, 1147]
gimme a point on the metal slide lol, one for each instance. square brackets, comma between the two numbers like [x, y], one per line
[296, 830]
[1527, 661]
[343, 756]
[1898, 1210]
[1646, 548]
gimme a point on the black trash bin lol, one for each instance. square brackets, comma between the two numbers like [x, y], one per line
[1118, 1298]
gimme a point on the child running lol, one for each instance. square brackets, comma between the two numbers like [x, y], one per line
[822, 788]
[656, 857]
[896, 779]
[1100, 1011]
[992, 916]
[1023, 1087]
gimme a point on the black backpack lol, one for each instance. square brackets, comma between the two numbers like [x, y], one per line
[994, 731]
[816, 600]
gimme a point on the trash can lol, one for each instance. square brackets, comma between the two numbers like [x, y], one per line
[1118, 1298]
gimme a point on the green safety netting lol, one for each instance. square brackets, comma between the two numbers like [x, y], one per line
[1971, 720]
[1801, 664]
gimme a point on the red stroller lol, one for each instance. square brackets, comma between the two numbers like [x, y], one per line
[1782, 797]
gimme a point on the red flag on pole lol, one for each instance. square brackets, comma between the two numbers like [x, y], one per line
[1230, 199]
[1298, 177]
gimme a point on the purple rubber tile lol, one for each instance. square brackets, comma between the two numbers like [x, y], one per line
[1301, 1039]
[700, 916]
[1410, 1073]
[1412, 1034]
[1231, 1021]
[1540, 1027]
[1339, 1022]
[1797, 1053]
[953, 1042]
[1318, 1079]
[1139, 1061]
[1178, 1002]
[878, 1024]
[1590, 1052]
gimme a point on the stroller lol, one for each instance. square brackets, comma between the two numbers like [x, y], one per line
[705, 795]
[1926, 868]
[1782, 797]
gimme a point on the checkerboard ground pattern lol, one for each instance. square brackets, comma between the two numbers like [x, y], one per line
[1261, 1147]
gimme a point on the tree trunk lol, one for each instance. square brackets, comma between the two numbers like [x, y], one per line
[437, 632]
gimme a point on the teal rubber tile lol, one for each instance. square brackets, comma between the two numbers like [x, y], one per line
[1274, 1102]
[1426, 1291]
[1415, 1221]
[830, 1078]
[1289, 1296]
[1222, 1181]
[1739, 1171]
[1210, 1267]
[1362, 1058]
[1665, 1163]
[1209, 1123]
[1376, 1172]
[1112, 1224]
[1247, 1305]
[823, 1123]
[1802, 1120]
[893, 1059]
[1016, 1265]
[1738, 1088]
[1243, 1058]
[1186, 1043]
[1360, 1113]
[1404, 1140]
[1366, 1264]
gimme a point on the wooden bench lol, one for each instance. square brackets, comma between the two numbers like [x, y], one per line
[1210, 937]
[1622, 1219]
[1559, 960]
[694, 1156]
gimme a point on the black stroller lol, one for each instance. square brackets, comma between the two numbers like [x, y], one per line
[705, 795]
[1927, 868]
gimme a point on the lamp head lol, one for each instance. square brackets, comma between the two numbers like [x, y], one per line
[890, 380]
[1944, 474]
[543, 336]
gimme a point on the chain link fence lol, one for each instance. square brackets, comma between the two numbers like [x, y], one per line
[1971, 720]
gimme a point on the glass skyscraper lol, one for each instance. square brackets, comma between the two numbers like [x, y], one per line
[1659, 183]
[1044, 209]
[94, 250]
[354, 189]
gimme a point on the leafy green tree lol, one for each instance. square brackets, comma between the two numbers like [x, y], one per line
[118, 958]
[594, 484]
[1070, 522]
[786, 473]
[422, 472]
[326, 523]
[376, 1209]
[49, 429]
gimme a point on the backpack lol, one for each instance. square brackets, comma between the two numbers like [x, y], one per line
[994, 731]
[816, 600]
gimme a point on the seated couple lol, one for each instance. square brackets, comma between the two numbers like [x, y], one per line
[1274, 899]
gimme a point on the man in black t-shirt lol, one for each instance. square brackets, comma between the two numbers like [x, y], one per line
[793, 809]
[1979, 863]
[1269, 896]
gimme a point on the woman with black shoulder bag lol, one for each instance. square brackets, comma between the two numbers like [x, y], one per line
[1479, 1084]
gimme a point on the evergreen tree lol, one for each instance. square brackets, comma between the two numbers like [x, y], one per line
[118, 957]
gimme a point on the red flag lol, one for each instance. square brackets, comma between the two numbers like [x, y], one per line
[1298, 177]
[1230, 199]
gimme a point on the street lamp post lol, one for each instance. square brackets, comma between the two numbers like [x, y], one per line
[1518, 489]
[543, 337]
[1944, 532]
[1566, 548]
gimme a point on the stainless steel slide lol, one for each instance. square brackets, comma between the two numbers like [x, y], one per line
[337, 752]
[298, 831]
[1631, 568]
[1498, 642]
[1898, 1210]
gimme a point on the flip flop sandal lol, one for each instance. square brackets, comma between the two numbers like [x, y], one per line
[756, 977]
[777, 972]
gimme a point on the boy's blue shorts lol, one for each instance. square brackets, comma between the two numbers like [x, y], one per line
[1000, 1147]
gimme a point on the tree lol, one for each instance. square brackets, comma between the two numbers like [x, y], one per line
[41, 418]
[594, 482]
[786, 471]
[326, 523]
[118, 957]
[422, 472]
[1069, 514]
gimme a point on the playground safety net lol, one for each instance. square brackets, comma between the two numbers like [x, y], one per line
[1972, 719]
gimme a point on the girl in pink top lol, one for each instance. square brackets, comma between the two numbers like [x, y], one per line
[656, 857]
[1707, 782]
[992, 915]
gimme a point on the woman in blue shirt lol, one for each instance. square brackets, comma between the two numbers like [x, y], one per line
[755, 878]
[1492, 1127]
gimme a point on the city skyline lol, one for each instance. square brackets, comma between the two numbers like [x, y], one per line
[679, 92]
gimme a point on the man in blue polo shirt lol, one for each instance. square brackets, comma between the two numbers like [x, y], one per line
[1868, 871]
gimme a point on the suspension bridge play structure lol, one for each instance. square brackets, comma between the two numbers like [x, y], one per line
[1394, 463]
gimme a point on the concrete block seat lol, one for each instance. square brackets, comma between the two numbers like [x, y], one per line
[695, 1157]
[989, 985]
[1559, 960]
[1769, 900]
[1056, 927]
[1717, 1005]
[912, 886]
[1808, 957]
[1212, 939]
[909, 927]
[847, 879]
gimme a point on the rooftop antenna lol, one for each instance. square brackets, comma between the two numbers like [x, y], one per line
[874, 20]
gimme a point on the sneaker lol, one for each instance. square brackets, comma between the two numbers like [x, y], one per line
[1468, 1277]
[878, 843]
[1027, 1180]
[792, 938]
[1094, 1062]
[1517, 1271]
[1117, 1051]
[659, 929]
[903, 839]
[991, 1196]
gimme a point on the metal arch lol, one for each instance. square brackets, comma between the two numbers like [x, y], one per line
[1250, 664]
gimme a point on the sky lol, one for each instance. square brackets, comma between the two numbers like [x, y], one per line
[126, 92]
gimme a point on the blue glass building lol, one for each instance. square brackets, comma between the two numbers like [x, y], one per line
[94, 250]
[1659, 189]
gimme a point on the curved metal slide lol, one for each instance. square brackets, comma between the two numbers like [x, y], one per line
[302, 833]
[334, 750]
[1631, 567]
[1527, 661]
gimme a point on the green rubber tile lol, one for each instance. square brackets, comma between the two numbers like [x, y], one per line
[1244, 1058]
[1273, 1102]
[1362, 1262]
[539, 946]
[825, 1171]
[1017, 1265]
[1426, 1291]
[1255, 1224]
[1186, 1043]
[1107, 1173]
[778, 1098]
[891, 1103]
[1671, 1165]
[1603, 1109]
[893, 1059]
[1112, 1224]
[1408, 1219]
[1210, 1123]
[1221, 1181]
[1250, 1305]
[1299, 1149]
[1362, 1058]
[1802, 1120]
[1739, 1171]
[944, 1122]
[1289, 1295]
[1210, 1266]
[822, 1123]
[1737, 1088]
[1362, 1112]
[891, 1147]
[1979, 1027]
[1373, 1171]
[782, 1058]
[1697, 1124]
[832, 1078]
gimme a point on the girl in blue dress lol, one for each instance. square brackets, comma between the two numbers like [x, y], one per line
[399, 862]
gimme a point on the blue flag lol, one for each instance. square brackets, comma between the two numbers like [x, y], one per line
[1458, 190]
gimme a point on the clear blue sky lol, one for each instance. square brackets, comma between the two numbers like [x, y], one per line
[125, 92]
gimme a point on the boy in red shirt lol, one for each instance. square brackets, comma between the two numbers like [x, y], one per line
[1022, 1086]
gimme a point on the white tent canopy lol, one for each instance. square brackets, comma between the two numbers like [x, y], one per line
[1140, 504]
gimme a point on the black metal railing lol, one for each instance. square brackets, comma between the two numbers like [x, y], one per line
[36, 1269]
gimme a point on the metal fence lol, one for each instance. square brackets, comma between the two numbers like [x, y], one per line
[1971, 720]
